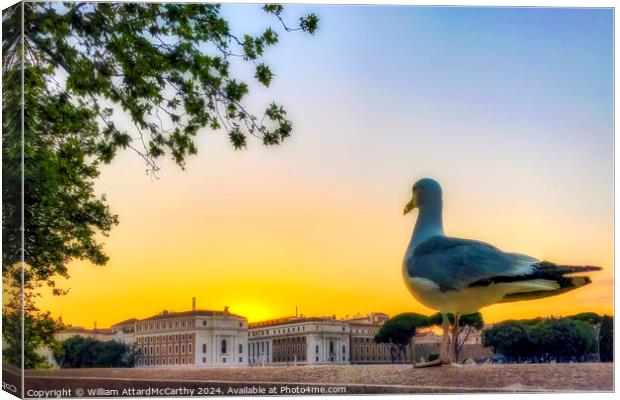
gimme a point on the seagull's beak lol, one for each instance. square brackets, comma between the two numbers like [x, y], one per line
[413, 203]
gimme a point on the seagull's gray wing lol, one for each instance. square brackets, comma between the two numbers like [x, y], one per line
[453, 263]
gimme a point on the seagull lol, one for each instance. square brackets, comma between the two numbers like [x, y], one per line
[461, 276]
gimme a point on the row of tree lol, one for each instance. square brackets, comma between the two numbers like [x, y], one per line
[577, 337]
[572, 338]
[80, 352]
[398, 331]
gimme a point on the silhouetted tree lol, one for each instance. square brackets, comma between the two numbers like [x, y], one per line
[165, 68]
[606, 339]
[467, 324]
[590, 317]
[509, 338]
[560, 338]
[80, 352]
[398, 331]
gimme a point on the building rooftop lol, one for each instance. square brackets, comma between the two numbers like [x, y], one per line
[80, 329]
[292, 320]
[361, 323]
[125, 322]
[193, 313]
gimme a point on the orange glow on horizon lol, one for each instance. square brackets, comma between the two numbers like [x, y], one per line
[265, 245]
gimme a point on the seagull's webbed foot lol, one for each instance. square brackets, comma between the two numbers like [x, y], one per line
[435, 363]
[446, 361]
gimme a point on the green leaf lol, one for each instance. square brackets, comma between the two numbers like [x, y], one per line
[263, 74]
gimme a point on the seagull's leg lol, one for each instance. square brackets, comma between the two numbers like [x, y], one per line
[455, 333]
[443, 349]
[444, 355]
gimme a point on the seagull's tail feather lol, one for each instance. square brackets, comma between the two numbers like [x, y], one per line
[566, 285]
[546, 267]
[556, 273]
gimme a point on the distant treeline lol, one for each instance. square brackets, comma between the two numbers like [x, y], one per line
[580, 337]
[80, 352]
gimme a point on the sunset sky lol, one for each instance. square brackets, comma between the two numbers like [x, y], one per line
[509, 109]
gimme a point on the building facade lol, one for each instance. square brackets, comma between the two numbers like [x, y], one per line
[192, 338]
[299, 340]
[364, 349]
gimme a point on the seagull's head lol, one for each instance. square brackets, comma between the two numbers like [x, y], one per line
[425, 192]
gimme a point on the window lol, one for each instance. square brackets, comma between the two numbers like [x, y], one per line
[189, 348]
[240, 359]
[240, 324]
[240, 348]
[204, 347]
[182, 348]
[224, 359]
[224, 346]
[204, 323]
[176, 348]
[344, 349]
[169, 349]
[204, 359]
[317, 350]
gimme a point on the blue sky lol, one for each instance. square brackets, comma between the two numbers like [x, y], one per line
[525, 91]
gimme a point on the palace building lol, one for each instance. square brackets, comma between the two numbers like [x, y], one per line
[192, 338]
[299, 340]
[188, 338]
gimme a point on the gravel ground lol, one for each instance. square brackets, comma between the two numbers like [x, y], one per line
[511, 377]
